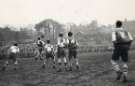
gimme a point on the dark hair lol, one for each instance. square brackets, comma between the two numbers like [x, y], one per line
[48, 41]
[38, 38]
[70, 34]
[118, 24]
[15, 44]
[61, 35]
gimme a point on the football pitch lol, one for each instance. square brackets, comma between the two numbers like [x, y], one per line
[95, 70]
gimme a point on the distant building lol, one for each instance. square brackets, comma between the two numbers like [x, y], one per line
[49, 29]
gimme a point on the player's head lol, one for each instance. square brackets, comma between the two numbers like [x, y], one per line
[15, 44]
[70, 34]
[61, 34]
[48, 41]
[38, 38]
[118, 24]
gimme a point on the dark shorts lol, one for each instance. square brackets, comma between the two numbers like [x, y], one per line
[12, 57]
[120, 52]
[72, 54]
[40, 49]
[61, 53]
[49, 55]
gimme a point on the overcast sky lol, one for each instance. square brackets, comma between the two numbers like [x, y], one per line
[16, 12]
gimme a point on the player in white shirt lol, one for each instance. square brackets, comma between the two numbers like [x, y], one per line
[49, 54]
[61, 55]
[13, 52]
[121, 40]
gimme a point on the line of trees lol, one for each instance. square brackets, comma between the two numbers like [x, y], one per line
[8, 35]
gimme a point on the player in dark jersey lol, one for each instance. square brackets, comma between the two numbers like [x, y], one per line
[72, 46]
[40, 45]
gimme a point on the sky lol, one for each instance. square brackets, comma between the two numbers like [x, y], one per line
[23, 12]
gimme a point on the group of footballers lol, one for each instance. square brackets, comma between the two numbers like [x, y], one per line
[57, 53]
[47, 51]
[121, 39]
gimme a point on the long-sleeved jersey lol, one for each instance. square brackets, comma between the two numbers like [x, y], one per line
[120, 33]
[14, 49]
[49, 48]
[40, 43]
[61, 42]
[72, 43]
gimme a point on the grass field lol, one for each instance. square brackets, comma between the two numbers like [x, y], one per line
[95, 71]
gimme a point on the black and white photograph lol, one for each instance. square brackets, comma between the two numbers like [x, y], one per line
[67, 42]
